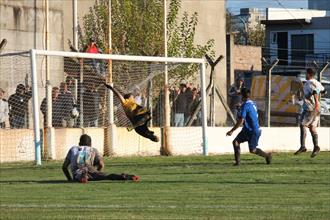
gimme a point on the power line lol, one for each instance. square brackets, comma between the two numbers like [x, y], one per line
[302, 25]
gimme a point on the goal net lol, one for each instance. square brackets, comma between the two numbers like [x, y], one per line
[72, 99]
[16, 134]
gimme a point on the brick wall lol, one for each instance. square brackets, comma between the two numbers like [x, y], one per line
[246, 58]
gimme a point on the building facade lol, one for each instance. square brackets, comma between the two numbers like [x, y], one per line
[297, 37]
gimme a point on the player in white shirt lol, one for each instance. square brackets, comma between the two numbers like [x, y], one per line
[310, 116]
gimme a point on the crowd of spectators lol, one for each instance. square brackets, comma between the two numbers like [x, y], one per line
[16, 108]
[185, 99]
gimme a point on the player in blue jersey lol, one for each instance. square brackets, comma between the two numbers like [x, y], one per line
[248, 116]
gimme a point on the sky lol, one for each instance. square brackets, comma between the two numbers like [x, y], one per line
[235, 5]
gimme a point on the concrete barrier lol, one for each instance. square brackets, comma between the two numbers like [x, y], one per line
[18, 145]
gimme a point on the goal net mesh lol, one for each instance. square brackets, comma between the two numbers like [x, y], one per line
[79, 98]
[16, 135]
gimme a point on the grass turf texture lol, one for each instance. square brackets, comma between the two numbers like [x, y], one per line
[196, 187]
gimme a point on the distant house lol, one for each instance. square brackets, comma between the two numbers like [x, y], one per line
[297, 36]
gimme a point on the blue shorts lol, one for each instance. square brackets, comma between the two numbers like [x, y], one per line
[250, 136]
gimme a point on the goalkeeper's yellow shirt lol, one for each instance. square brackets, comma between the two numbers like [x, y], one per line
[132, 109]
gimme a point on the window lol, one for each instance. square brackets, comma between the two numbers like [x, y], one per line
[301, 45]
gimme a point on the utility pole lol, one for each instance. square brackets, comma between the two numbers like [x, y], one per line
[109, 137]
[75, 24]
[48, 150]
[167, 113]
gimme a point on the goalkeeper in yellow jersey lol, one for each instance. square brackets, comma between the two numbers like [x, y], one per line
[138, 115]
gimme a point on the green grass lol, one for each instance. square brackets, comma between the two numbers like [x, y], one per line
[196, 187]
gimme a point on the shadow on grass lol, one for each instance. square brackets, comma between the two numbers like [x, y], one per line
[35, 181]
[183, 181]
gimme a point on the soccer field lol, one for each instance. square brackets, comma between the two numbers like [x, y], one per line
[195, 187]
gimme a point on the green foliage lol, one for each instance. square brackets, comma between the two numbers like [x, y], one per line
[257, 36]
[254, 36]
[181, 41]
[229, 22]
[137, 29]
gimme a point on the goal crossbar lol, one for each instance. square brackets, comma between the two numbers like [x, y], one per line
[120, 57]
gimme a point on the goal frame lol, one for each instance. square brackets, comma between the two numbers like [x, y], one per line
[33, 56]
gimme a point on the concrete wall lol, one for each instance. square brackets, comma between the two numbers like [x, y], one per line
[212, 25]
[17, 145]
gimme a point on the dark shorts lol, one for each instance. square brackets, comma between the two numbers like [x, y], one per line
[90, 172]
[251, 137]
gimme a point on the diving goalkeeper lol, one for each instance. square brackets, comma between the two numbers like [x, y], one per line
[138, 115]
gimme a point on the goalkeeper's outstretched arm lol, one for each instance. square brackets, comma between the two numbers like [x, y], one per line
[116, 92]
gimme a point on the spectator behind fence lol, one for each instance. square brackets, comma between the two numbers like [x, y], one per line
[56, 117]
[4, 110]
[66, 104]
[91, 106]
[18, 106]
[193, 105]
[97, 64]
[189, 98]
[70, 81]
[235, 96]
[180, 106]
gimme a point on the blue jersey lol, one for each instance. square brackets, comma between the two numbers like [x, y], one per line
[250, 115]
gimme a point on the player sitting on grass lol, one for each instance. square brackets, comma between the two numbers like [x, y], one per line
[86, 164]
[251, 132]
[138, 115]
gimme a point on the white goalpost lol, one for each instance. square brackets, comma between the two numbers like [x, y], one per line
[131, 73]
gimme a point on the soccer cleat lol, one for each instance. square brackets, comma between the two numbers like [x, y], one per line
[84, 179]
[269, 158]
[236, 164]
[154, 138]
[301, 150]
[135, 178]
[315, 152]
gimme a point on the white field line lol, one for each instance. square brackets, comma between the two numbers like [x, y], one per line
[78, 206]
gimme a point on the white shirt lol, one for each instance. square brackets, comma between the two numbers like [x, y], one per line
[310, 87]
[4, 110]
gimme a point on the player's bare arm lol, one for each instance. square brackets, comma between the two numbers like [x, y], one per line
[100, 165]
[237, 125]
[116, 92]
[316, 98]
[66, 172]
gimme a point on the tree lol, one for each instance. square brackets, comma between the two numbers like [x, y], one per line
[253, 36]
[256, 36]
[181, 37]
[229, 22]
[137, 29]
